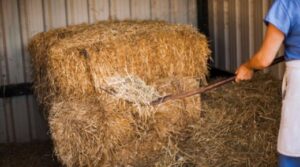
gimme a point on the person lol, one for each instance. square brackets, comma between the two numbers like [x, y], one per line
[283, 27]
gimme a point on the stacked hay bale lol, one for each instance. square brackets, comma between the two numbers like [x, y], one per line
[90, 126]
[75, 61]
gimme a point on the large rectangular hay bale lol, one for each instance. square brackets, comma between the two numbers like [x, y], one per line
[104, 133]
[73, 61]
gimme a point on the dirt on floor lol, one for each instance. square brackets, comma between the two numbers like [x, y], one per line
[28, 155]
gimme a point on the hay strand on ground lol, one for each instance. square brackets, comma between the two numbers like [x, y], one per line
[238, 125]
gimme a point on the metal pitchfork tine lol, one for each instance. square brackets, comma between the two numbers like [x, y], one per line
[205, 88]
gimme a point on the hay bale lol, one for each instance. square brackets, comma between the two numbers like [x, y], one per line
[238, 126]
[75, 69]
[95, 132]
[74, 61]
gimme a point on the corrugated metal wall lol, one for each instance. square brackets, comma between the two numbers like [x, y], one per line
[237, 30]
[20, 120]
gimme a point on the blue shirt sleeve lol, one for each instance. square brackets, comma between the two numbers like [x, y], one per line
[279, 17]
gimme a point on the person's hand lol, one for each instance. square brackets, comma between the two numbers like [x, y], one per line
[243, 73]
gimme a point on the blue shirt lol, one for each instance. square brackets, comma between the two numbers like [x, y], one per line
[285, 15]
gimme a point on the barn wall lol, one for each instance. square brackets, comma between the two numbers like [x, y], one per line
[236, 31]
[20, 120]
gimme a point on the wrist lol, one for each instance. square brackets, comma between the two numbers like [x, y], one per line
[248, 66]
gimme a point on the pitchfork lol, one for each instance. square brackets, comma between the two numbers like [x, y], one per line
[203, 89]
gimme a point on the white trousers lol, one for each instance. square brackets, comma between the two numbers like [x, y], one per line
[289, 132]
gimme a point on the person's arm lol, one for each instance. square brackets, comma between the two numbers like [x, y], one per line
[264, 57]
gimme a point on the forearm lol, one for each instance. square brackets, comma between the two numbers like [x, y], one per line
[260, 60]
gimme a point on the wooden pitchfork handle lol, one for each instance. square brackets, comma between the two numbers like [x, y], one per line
[205, 88]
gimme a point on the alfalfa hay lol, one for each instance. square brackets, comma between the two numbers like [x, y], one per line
[74, 61]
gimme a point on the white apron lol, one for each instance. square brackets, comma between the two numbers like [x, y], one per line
[289, 132]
